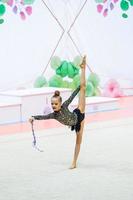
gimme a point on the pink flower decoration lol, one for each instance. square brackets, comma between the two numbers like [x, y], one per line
[22, 2]
[15, 9]
[105, 12]
[10, 2]
[22, 15]
[117, 92]
[111, 6]
[112, 89]
[28, 10]
[99, 8]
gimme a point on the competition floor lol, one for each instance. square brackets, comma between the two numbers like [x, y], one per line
[105, 166]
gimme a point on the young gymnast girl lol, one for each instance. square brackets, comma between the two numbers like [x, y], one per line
[73, 119]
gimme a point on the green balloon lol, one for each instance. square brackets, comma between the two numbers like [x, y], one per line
[89, 89]
[76, 69]
[124, 5]
[131, 2]
[4, 1]
[1, 21]
[124, 15]
[58, 71]
[97, 92]
[64, 62]
[28, 2]
[55, 62]
[40, 82]
[65, 84]
[72, 85]
[71, 72]
[2, 9]
[77, 61]
[55, 81]
[76, 80]
[64, 68]
[94, 79]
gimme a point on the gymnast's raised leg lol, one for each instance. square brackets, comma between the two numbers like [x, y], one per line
[81, 107]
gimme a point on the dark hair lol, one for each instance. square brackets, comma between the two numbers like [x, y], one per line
[57, 94]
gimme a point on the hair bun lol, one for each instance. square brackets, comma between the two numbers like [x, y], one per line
[57, 93]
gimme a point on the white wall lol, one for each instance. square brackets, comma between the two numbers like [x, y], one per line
[27, 46]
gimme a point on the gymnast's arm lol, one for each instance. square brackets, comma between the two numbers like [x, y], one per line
[41, 117]
[69, 100]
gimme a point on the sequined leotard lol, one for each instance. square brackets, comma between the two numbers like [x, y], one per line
[64, 116]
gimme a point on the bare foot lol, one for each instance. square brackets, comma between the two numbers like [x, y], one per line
[73, 166]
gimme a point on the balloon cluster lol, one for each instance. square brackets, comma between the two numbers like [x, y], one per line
[67, 76]
[92, 85]
[2, 12]
[40, 82]
[71, 70]
[21, 7]
[65, 69]
[104, 6]
[125, 5]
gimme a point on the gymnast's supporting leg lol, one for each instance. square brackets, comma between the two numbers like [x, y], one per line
[77, 146]
[81, 106]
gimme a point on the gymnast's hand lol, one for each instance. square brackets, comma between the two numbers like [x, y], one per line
[83, 64]
[31, 120]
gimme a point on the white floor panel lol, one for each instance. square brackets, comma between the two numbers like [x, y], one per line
[105, 167]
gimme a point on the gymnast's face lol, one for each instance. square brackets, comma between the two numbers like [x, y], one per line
[56, 104]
